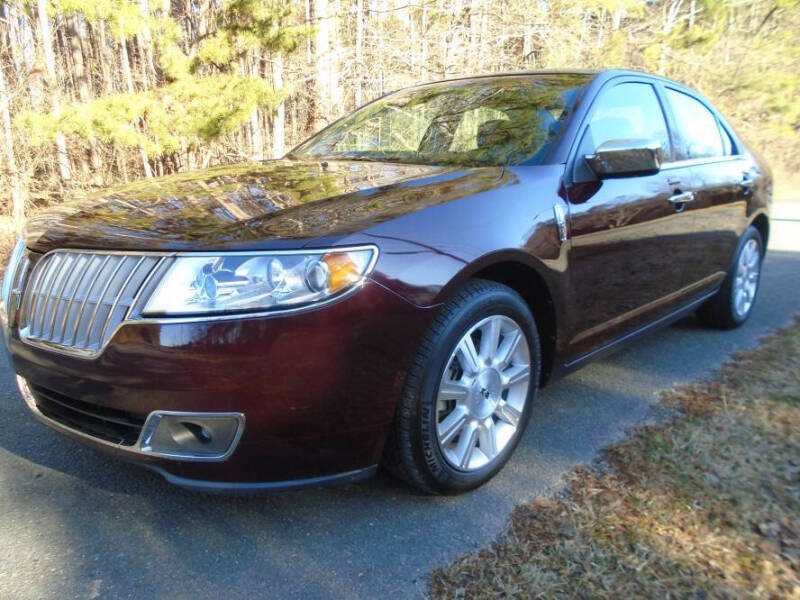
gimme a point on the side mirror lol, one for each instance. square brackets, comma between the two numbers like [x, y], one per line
[617, 158]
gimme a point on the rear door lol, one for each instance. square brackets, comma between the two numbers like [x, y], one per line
[628, 240]
[723, 177]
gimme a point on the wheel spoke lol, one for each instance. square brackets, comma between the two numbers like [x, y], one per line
[490, 338]
[466, 444]
[510, 344]
[515, 375]
[474, 420]
[488, 438]
[752, 257]
[467, 355]
[452, 425]
[453, 390]
[507, 413]
[740, 300]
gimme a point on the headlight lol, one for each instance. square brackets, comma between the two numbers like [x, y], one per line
[239, 282]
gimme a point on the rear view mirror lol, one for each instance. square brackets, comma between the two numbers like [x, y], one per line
[616, 158]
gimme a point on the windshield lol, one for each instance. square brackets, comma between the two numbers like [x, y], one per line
[506, 120]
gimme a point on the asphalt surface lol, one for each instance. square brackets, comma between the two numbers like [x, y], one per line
[74, 523]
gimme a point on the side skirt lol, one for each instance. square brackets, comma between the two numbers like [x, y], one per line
[576, 363]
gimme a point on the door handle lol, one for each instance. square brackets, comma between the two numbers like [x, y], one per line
[683, 197]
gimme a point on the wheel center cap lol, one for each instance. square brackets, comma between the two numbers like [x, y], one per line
[485, 393]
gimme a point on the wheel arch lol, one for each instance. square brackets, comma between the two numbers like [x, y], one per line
[761, 223]
[525, 275]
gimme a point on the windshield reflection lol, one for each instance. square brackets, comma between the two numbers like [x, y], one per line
[508, 120]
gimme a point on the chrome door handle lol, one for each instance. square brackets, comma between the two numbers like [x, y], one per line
[683, 198]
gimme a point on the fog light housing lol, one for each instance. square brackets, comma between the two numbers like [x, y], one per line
[191, 436]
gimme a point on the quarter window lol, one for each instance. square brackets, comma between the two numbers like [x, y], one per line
[698, 132]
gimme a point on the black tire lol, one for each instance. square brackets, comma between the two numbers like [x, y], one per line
[719, 311]
[413, 452]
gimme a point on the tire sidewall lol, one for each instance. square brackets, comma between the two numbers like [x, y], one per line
[498, 301]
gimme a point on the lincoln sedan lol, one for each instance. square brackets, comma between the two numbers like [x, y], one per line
[395, 291]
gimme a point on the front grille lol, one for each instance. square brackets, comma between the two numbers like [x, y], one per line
[75, 300]
[111, 425]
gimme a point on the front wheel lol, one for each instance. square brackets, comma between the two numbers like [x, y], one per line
[469, 392]
[734, 301]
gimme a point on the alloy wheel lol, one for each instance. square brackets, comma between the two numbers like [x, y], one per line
[745, 283]
[482, 393]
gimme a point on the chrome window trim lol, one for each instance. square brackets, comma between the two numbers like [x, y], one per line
[147, 429]
[706, 160]
[131, 317]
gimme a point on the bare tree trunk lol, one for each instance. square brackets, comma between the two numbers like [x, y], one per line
[359, 48]
[279, 119]
[322, 66]
[103, 58]
[126, 73]
[474, 58]
[145, 43]
[309, 56]
[424, 35]
[52, 84]
[327, 76]
[84, 93]
[17, 189]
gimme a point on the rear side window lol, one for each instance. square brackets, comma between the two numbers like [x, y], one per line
[627, 111]
[698, 131]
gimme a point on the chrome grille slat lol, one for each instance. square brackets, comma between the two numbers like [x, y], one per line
[99, 302]
[75, 289]
[27, 304]
[88, 295]
[46, 276]
[119, 296]
[68, 293]
[55, 272]
[65, 276]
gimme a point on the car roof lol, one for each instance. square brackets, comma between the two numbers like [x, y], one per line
[594, 74]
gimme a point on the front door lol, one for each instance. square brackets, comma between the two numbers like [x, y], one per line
[628, 239]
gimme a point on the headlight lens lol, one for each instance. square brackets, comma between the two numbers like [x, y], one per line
[231, 283]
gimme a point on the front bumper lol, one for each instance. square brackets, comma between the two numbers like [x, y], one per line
[317, 390]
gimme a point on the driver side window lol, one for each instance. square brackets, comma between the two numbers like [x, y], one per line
[626, 111]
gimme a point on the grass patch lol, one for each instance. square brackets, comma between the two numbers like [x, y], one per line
[705, 505]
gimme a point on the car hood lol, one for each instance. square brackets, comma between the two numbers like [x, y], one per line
[283, 203]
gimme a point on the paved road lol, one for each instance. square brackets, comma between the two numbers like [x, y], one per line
[77, 524]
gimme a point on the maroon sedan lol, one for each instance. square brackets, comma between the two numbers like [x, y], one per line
[395, 290]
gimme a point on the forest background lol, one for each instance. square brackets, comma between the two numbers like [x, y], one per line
[98, 92]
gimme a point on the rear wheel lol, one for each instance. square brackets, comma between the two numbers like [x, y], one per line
[469, 392]
[734, 301]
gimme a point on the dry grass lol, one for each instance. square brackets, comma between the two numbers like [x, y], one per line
[706, 505]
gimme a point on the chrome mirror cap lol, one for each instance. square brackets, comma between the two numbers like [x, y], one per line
[617, 158]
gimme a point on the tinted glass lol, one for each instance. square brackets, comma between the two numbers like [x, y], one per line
[624, 112]
[697, 127]
[500, 121]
